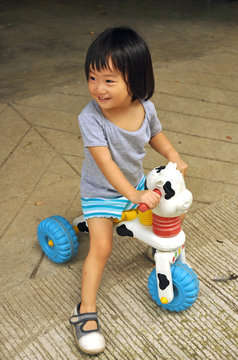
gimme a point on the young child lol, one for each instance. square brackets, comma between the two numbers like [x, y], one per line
[116, 125]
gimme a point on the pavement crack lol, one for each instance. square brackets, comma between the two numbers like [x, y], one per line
[37, 266]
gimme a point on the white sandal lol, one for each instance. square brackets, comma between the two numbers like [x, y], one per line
[88, 341]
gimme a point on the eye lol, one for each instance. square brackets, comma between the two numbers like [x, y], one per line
[109, 81]
[92, 78]
[159, 183]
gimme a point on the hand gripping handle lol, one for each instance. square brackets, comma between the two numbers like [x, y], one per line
[143, 207]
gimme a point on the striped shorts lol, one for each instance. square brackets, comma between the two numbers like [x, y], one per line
[108, 207]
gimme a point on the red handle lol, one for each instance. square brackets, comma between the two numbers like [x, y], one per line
[143, 207]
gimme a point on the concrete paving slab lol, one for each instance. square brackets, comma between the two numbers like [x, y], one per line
[208, 191]
[196, 107]
[223, 151]
[79, 87]
[2, 107]
[57, 171]
[62, 102]
[63, 142]
[31, 164]
[218, 171]
[209, 169]
[52, 119]
[190, 73]
[12, 129]
[222, 61]
[75, 162]
[9, 210]
[199, 126]
[34, 316]
[20, 250]
[202, 93]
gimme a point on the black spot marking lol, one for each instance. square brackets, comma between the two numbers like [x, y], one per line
[169, 192]
[145, 186]
[163, 281]
[123, 231]
[82, 227]
[159, 168]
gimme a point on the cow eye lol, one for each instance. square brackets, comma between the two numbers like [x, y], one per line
[159, 183]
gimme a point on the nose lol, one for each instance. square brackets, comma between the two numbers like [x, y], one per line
[100, 88]
[186, 205]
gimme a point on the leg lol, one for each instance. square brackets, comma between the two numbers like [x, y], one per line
[101, 239]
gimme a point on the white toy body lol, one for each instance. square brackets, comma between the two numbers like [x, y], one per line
[165, 234]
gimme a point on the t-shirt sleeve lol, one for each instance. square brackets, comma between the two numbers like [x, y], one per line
[92, 130]
[155, 124]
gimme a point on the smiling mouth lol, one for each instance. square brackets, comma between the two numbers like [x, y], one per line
[102, 98]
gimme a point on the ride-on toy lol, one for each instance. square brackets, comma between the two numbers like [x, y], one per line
[172, 284]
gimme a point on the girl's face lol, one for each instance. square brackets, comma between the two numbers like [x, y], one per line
[109, 89]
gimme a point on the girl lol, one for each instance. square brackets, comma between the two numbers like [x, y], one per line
[115, 127]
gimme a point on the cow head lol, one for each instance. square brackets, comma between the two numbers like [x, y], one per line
[175, 198]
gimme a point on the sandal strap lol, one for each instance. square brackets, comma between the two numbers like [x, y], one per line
[80, 321]
[83, 318]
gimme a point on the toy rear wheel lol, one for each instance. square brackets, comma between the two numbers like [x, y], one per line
[57, 239]
[185, 286]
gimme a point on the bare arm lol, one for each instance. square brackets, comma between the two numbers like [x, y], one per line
[116, 178]
[162, 145]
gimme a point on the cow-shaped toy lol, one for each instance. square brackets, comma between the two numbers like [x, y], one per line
[165, 235]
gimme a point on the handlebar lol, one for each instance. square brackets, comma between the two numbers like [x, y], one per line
[143, 207]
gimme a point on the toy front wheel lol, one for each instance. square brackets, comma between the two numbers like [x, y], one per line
[57, 239]
[185, 286]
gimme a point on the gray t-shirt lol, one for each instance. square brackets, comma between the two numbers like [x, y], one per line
[126, 148]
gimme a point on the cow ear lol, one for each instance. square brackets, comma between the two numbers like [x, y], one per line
[159, 168]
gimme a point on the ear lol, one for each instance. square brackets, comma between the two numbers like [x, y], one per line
[158, 169]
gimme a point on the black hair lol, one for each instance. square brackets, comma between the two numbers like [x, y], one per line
[129, 54]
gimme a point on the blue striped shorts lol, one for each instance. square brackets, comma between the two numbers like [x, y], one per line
[108, 207]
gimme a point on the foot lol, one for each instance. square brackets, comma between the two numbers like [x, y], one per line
[89, 341]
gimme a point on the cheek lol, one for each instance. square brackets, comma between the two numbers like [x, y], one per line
[90, 88]
[124, 91]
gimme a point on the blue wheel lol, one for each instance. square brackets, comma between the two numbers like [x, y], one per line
[185, 286]
[57, 239]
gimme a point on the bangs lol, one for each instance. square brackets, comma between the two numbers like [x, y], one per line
[105, 60]
[103, 63]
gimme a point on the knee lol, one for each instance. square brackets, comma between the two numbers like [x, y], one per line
[105, 250]
[102, 250]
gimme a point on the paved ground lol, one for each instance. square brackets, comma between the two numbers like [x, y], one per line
[34, 315]
[195, 55]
